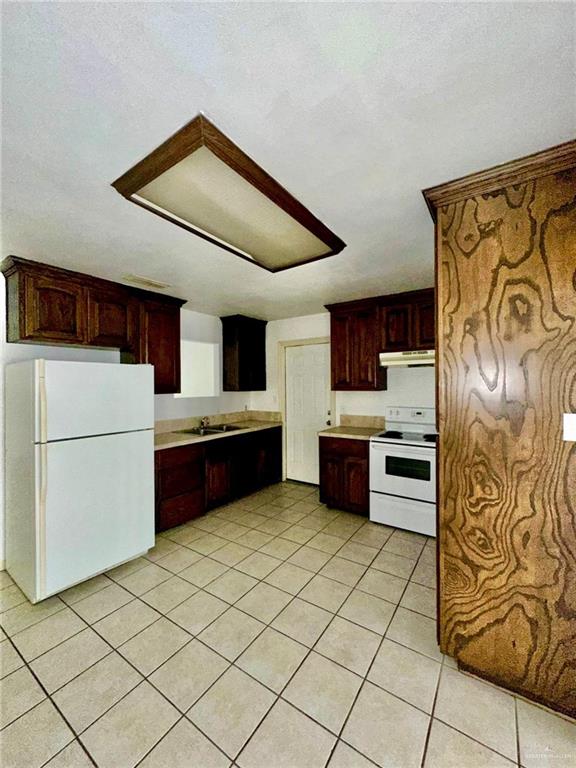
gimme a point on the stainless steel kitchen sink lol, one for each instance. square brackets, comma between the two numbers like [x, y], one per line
[216, 429]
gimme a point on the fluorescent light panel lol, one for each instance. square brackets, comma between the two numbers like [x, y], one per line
[202, 182]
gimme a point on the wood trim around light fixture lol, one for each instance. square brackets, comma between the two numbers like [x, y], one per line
[548, 161]
[200, 132]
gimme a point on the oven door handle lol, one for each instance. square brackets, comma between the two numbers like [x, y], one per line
[425, 454]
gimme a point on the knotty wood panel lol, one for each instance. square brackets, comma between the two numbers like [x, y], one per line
[506, 279]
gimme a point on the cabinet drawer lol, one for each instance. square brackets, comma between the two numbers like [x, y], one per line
[180, 509]
[173, 457]
[344, 446]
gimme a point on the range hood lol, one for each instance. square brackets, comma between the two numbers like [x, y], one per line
[410, 357]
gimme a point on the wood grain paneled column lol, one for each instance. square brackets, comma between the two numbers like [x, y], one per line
[506, 313]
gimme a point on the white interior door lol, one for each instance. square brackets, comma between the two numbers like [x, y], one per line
[307, 408]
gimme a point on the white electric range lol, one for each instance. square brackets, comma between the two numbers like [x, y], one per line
[403, 470]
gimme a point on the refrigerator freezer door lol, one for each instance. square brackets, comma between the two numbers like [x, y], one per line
[96, 509]
[82, 399]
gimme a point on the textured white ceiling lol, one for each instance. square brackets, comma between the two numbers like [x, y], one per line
[353, 107]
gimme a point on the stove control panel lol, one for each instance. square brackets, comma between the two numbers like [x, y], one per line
[409, 415]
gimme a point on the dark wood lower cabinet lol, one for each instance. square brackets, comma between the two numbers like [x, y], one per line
[239, 465]
[194, 478]
[219, 472]
[180, 485]
[344, 474]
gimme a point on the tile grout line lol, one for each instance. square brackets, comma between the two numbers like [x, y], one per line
[145, 678]
[229, 605]
[49, 698]
[518, 754]
[293, 596]
[365, 680]
[431, 721]
[199, 589]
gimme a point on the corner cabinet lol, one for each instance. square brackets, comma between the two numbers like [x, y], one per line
[50, 305]
[344, 479]
[244, 353]
[354, 347]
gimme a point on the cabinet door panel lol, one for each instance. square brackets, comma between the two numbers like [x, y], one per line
[355, 484]
[396, 327]
[364, 352]
[219, 471]
[244, 353]
[55, 310]
[424, 325]
[111, 318]
[181, 479]
[160, 344]
[331, 481]
[218, 482]
[269, 457]
[243, 459]
[340, 351]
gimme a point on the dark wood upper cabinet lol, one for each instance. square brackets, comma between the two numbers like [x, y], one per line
[112, 317]
[407, 321]
[425, 324]
[354, 347]
[244, 353]
[56, 310]
[366, 372]
[344, 474]
[396, 327]
[159, 343]
[50, 305]
[340, 347]
[360, 330]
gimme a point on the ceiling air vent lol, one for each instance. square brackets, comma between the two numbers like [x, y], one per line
[145, 282]
[201, 181]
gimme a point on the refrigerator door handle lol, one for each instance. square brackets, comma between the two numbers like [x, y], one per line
[41, 522]
[42, 412]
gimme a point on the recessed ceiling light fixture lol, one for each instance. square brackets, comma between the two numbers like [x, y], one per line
[201, 181]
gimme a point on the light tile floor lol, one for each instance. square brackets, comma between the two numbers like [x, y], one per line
[271, 633]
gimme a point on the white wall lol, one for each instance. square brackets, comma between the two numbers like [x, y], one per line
[406, 386]
[307, 327]
[196, 326]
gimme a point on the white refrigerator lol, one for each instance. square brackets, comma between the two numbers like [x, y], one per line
[79, 470]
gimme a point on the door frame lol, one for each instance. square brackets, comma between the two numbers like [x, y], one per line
[282, 346]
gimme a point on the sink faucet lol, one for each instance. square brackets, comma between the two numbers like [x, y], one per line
[204, 422]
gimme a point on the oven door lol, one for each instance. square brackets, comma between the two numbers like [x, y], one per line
[403, 470]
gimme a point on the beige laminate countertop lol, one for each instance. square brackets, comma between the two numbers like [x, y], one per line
[174, 439]
[351, 433]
